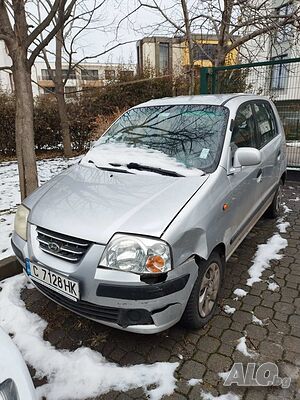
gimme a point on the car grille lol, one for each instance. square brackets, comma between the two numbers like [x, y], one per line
[62, 246]
[84, 308]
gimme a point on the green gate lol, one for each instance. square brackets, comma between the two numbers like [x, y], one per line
[279, 79]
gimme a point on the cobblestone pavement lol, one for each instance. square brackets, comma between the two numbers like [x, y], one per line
[204, 353]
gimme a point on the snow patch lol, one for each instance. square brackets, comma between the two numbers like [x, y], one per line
[286, 209]
[6, 228]
[242, 348]
[257, 321]
[121, 154]
[229, 310]
[78, 374]
[194, 382]
[273, 286]
[227, 396]
[240, 293]
[264, 254]
[282, 225]
[224, 375]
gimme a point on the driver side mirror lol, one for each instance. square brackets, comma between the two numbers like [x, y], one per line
[246, 156]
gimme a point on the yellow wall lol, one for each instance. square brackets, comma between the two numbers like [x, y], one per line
[231, 58]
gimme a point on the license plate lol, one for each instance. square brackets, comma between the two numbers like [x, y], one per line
[57, 282]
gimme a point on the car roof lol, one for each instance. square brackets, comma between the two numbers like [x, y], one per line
[213, 99]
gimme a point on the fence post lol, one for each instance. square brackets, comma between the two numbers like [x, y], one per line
[203, 80]
[213, 80]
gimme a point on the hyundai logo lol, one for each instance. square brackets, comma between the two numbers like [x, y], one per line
[54, 247]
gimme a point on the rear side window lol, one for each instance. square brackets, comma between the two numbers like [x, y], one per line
[266, 125]
[244, 132]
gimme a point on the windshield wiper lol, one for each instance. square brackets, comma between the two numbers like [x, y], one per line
[110, 169]
[161, 171]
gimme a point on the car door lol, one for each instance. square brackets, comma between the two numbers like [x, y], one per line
[244, 181]
[269, 143]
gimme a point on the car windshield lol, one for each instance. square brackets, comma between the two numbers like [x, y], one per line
[186, 136]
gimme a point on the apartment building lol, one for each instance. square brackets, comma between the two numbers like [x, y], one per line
[81, 77]
[163, 55]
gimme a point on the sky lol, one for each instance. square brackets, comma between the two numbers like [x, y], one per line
[104, 35]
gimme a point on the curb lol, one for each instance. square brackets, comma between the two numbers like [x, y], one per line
[293, 175]
[9, 266]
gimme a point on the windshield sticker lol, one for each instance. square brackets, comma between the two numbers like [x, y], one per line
[204, 153]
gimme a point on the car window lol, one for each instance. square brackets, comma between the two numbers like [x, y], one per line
[265, 123]
[191, 135]
[244, 131]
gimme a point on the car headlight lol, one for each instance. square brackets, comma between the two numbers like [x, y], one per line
[8, 390]
[21, 221]
[136, 254]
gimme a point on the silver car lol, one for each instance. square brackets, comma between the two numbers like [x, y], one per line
[137, 234]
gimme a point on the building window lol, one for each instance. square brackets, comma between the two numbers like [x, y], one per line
[46, 75]
[279, 74]
[110, 74]
[205, 51]
[164, 57]
[66, 74]
[285, 32]
[49, 90]
[126, 74]
[70, 91]
[89, 74]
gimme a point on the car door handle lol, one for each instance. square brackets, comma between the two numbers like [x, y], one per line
[259, 175]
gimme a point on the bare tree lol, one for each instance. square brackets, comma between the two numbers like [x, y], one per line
[24, 46]
[234, 24]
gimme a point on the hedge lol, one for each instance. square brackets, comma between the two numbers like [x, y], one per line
[83, 111]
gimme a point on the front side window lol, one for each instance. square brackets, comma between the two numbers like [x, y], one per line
[266, 125]
[189, 135]
[244, 131]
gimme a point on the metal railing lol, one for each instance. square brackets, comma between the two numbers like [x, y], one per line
[278, 79]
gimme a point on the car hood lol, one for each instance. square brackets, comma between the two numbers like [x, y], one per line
[92, 204]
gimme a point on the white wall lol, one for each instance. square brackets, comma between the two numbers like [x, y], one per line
[5, 76]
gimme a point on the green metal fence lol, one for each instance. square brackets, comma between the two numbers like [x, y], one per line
[279, 79]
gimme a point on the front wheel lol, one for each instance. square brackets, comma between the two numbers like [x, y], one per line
[274, 210]
[204, 296]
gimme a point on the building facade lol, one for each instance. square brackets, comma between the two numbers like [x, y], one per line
[81, 77]
[170, 55]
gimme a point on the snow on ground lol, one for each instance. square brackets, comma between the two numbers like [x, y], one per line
[224, 375]
[194, 382]
[240, 292]
[10, 194]
[273, 286]
[78, 374]
[282, 225]
[257, 321]
[286, 209]
[229, 310]
[227, 396]
[6, 228]
[264, 254]
[242, 348]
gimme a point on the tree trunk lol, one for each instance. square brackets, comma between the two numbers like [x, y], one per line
[188, 34]
[60, 97]
[24, 124]
[64, 121]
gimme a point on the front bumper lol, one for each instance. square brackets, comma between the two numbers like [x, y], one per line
[118, 299]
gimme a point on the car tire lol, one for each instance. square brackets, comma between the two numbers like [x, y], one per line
[200, 307]
[274, 211]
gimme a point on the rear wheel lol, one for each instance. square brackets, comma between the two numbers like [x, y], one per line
[204, 296]
[274, 211]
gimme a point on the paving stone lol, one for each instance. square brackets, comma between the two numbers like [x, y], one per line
[192, 369]
[218, 363]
